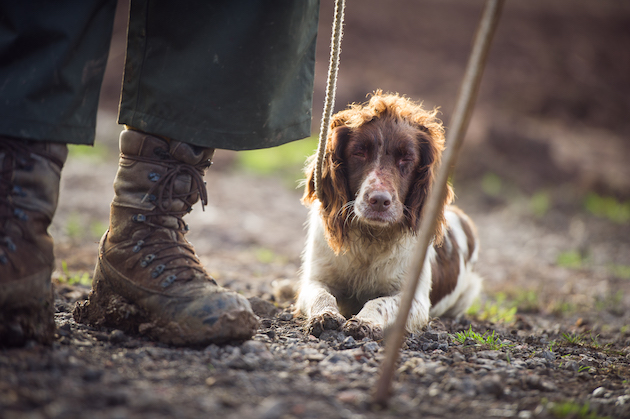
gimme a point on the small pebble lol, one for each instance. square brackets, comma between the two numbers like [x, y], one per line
[348, 343]
[491, 385]
[598, 392]
[253, 347]
[349, 396]
[92, 375]
[271, 408]
[371, 347]
[572, 366]
[285, 316]
[457, 357]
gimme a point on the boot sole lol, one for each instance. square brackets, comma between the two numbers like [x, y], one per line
[27, 311]
[106, 307]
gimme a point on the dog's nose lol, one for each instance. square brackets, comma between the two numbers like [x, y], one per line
[380, 201]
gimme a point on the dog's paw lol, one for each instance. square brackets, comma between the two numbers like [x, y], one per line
[360, 329]
[328, 320]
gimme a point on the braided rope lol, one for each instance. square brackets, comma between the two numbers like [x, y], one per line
[331, 87]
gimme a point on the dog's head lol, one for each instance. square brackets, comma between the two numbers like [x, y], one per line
[378, 168]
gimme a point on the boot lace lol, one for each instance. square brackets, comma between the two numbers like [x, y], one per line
[162, 194]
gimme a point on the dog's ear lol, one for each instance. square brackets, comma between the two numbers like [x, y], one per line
[335, 192]
[333, 184]
[425, 174]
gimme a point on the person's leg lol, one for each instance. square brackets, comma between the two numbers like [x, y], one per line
[228, 74]
[198, 76]
[29, 189]
[52, 58]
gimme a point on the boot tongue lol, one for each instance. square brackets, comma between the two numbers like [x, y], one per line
[190, 154]
[137, 143]
[160, 178]
[167, 221]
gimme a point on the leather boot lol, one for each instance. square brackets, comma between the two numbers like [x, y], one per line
[29, 191]
[148, 279]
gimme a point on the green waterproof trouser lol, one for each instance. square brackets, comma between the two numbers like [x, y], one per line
[232, 74]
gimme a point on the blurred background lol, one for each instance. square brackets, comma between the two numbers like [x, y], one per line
[554, 104]
[544, 171]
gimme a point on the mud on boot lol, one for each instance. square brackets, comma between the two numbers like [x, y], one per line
[148, 279]
[29, 190]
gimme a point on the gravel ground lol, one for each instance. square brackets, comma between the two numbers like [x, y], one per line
[564, 353]
[567, 347]
[284, 373]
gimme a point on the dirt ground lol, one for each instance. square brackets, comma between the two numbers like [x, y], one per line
[551, 128]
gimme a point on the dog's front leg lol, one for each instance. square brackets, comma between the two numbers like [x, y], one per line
[380, 313]
[320, 308]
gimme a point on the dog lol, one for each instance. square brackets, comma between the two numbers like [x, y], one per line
[379, 165]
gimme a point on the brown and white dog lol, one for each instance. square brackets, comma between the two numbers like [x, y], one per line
[378, 168]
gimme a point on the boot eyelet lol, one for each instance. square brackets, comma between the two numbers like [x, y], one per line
[20, 215]
[154, 177]
[9, 243]
[157, 271]
[18, 191]
[168, 281]
[147, 260]
[138, 246]
[139, 218]
[25, 165]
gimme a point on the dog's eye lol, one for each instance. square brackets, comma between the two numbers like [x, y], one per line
[407, 159]
[360, 152]
[405, 162]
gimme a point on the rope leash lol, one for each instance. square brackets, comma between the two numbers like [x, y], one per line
[331, 88]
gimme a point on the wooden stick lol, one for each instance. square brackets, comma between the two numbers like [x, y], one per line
[454, 139]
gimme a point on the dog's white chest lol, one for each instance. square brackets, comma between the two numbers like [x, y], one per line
[368, 268]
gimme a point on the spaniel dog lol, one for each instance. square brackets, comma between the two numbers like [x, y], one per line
[379, 166]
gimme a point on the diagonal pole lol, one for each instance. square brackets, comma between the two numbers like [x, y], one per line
[454, 139]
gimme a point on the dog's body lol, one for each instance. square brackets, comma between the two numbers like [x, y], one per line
[377, 171]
